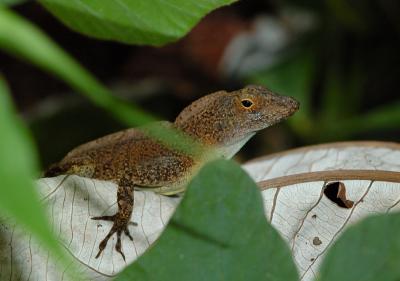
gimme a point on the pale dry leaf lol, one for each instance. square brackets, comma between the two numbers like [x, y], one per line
[293, 186]
[301, 186]
[71, 202]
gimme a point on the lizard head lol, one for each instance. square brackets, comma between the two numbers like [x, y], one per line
[259, 108]
[228, 118]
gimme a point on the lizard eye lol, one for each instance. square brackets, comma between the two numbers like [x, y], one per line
[247, 103]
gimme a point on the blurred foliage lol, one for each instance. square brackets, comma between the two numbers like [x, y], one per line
[19, 166]
[21, 38]
[11, 2]
[133, 21]
[340, 69]
[368, 251]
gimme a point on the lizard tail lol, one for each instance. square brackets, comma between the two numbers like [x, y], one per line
[55, 170]
[79, 167]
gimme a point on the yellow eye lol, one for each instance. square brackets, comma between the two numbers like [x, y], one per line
[247, 103]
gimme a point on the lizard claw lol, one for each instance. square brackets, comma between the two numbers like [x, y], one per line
[118, 227]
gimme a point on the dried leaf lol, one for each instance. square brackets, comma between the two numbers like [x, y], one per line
[295, 193]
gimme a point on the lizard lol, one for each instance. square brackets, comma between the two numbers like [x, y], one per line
[221, 122]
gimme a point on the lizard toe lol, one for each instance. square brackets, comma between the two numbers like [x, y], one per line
[104, 242]
[127, 233]
[118, 246]
[104, 218]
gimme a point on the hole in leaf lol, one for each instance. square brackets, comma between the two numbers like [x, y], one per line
[336, 192]
[316, 241]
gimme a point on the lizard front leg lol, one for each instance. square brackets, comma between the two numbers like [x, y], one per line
[121, 219]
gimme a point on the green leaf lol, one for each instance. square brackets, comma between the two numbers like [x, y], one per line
[218, 232]
[368, 251]
[18, 168]
[21, 38]
[11, 2]
[155, 22]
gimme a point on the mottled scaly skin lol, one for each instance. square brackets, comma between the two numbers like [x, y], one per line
[129, 154]
[222, 122]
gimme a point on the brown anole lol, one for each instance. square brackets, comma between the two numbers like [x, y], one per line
[222, 122]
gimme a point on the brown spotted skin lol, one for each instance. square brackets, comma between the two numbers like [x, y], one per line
[128, 154]
[222, 122]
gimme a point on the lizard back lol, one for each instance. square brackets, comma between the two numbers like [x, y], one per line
[129, 153]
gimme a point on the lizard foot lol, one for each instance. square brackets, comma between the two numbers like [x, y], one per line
[119, 226]
[121, 220]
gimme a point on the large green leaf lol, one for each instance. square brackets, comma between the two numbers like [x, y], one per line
[11, 2]
[21, 38]
[153, 22]
[18, 168]
[368, 251]
[219, 232]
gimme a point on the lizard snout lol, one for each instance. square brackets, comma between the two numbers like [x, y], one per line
[286, 105]
[293, 104]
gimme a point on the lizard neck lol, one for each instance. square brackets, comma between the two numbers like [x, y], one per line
[229, 150]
